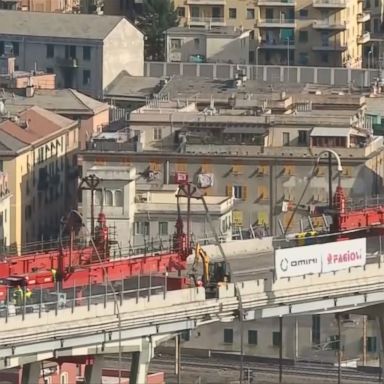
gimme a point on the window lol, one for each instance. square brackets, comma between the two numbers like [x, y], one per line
[276, 339]
[371, 344]
[334, 342]
[216, 12]
[286, 139]
[175, 43]
[252, 337]
[303, 58]
[195, 12]
[197, 43]
[228, 336]
[181, 11]
[303, 13]
[303, 36]
[86, 77]
[163, 228]
[70, 52]
[1, 48]
[87, 53]
[50, 51]
[119, 201]
[142, 228]
[157, 133]
[376, 25]
[316, 329]
[108, 197]
[64, 378]
[302, 137]
[49, 70]
[232, 13]
[240, 192]
[250, 13]
[15, 49]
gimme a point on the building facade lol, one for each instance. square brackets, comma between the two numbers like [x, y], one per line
[38, 151]
[228, 45]
[290, 32]
[86, 52]
[5, 212]
[40, 5]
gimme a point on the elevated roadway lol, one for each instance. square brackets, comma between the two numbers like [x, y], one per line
[138, 325]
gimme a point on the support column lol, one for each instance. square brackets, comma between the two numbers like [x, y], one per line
[31, 373]
[94, 372]
[140, 363]
[380, 328]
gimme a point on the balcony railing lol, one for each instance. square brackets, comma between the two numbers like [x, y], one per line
[276, 23]
[364, 38]
[327, 24]
[206, 2]
[328, 46]
[281, 3]
[277, 44]
[363, 17]
[67, 62]
[330, 3]
[206, 20]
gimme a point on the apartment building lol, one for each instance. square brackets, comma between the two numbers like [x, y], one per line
[141, 207]
[287, 32]
[5, 212]
[38, 153]
[40, 5]
[260, 146]
[218, 45]
[86, 52]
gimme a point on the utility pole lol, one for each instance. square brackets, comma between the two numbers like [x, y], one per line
[330, 197]
[280, 349]
[91, 183]
[339, 350]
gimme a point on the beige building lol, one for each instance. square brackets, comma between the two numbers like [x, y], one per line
[38, 153]
[40, 5]
[5, 212]
[259, 145]
[315, 32]
[218, 45]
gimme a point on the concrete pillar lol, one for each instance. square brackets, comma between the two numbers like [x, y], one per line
[31, 373]
[298, 79]
[140, 363]
[94, 372]
[332, 76]
[315, 75]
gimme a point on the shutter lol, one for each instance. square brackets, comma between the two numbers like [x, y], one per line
[244, 192]
[229, 190]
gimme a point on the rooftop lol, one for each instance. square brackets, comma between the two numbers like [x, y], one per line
[32, 126]
[62, 101]
[212, 32]
[62, 25]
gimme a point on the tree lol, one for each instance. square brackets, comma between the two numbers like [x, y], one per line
[157, 17]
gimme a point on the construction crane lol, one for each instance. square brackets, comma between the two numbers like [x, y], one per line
[214, 273]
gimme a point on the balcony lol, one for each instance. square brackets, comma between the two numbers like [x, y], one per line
[363, 17]
[67, 62]
[340, 4]
[276, 23]
[277, 44]
[329, 25]
[330, 47]
[206, 2]
[364, 38]
[204, 21]
[276, 3]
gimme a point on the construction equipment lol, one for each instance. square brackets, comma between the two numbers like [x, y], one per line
[214, 273]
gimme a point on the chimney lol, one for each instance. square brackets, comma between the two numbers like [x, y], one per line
[7, 65]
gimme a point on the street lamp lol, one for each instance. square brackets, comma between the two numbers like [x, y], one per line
[370, 56]
[339, 169]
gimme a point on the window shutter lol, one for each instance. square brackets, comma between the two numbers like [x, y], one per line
[229, 190]
[245, 192]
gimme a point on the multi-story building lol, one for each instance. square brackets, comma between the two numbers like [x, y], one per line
[86, 52]
[224, 44]
[40, 5]
[38, 153]
[259, 146]
[318, 32]
[5, 212]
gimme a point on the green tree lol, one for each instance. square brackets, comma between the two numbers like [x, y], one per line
[157, 17]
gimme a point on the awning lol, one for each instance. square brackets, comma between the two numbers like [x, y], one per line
[330, 132]
[254, 130]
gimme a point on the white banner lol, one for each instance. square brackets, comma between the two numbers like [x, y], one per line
[297, 261]
[319, 258]
[344, 254]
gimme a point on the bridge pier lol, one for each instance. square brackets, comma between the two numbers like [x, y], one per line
[31, 373]
[140, 363]
[94, 372]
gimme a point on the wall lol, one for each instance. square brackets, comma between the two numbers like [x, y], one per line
[123, 50]
[268, 73]
[235, 50]
[91, 125]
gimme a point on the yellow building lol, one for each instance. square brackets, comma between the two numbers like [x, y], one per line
[288, 32]
[37, 150]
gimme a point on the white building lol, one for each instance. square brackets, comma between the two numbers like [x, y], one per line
[142, 215]
[218, 45]
[86, 52]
